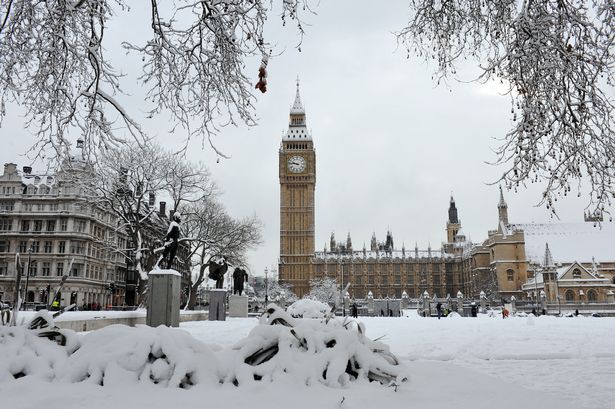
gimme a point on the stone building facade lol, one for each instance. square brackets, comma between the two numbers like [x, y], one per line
[502, 266]
[45, 219]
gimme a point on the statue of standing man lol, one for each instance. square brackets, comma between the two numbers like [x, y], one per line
[239, 278]
[171, 240]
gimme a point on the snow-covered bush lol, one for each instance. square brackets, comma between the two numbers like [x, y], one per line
[329, 351]
[307, 308]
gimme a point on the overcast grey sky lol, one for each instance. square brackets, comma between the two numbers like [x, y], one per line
[390, 145]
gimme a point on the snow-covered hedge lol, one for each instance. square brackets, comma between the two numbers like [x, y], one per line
[333, 352]
[307, 308]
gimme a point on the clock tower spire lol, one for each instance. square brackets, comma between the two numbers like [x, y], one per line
[297, 172]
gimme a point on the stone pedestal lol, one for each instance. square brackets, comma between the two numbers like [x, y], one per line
[238, 306]
[483, 302]
[163, 298]
[217, 304]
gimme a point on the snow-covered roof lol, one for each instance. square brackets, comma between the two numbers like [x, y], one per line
[359, 255]
[569, 242]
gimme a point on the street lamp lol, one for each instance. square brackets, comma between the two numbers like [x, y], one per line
[30, 250]
[266, 287]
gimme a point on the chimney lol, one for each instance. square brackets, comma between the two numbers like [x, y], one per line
[163, 209]
[152, 199]
[27, 170]
[10, 168]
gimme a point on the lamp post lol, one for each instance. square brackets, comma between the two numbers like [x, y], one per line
[30, 250]
[266, 287]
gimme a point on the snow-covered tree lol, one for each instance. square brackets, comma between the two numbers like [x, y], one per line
[556, 58]
[55, 63]
[211, 232]
[127, 181]
[325, 290]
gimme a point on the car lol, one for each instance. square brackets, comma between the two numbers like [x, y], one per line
[595, 314]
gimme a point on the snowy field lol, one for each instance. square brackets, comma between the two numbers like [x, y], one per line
[483, 362]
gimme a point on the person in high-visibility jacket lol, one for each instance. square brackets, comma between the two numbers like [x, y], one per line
[55, 305]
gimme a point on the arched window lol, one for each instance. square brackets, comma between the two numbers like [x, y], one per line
[592, 296]
[569, 296]
[576, 273]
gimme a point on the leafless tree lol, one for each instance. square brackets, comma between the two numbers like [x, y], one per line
[211, 233]
[55, 63]
[556, 57]
[124, 181]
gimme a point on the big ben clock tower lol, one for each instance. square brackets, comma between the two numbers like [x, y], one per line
[297, 169]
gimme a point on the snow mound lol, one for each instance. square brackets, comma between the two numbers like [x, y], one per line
[453, 314]
[308, 308]
[333, 352]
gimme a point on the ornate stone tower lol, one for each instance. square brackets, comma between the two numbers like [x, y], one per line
[453, 225]
[502, 210]
[297, 170]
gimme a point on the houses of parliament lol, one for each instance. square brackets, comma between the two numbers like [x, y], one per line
[500, 265]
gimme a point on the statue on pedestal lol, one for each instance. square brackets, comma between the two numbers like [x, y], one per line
[240, 276]
[217, 269]
[170, 240]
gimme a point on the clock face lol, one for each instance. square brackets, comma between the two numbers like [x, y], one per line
[296, 164]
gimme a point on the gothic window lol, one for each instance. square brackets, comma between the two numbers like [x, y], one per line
[576, 273]
[569, 296]
[358, 280]
[592, 296]
[385, 279]
[510, 275]
[436, 279]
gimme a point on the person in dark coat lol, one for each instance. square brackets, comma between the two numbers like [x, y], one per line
[171, 240]
[439, 309]
[354, 311]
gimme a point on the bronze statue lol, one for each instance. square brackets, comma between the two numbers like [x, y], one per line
[170, 240]
[239, 277]
[217, 269]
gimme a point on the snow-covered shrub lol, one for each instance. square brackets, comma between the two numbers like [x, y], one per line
[307, 308]
[331, 351]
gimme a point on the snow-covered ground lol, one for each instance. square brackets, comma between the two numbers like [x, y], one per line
[457, 363]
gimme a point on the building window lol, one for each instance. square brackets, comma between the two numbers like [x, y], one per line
[51, 225]
[33, 268]
[371, 279]
[5, 246]
[410, 279]
[6, 206]
[46, 269]
[25, 225]
[576, 273]
[436, 279]
[63, 224]
[77, 247]
[38, 225]
[3, 268]
[510, 275]
[48, 246]
[59, 269]
[36, 245]
[569, 296]
[358, 280]
[397, 279]
[6, 224]
[592, 296]
[23, 246]
[62, 247]
[384, 279]
[80, 226]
